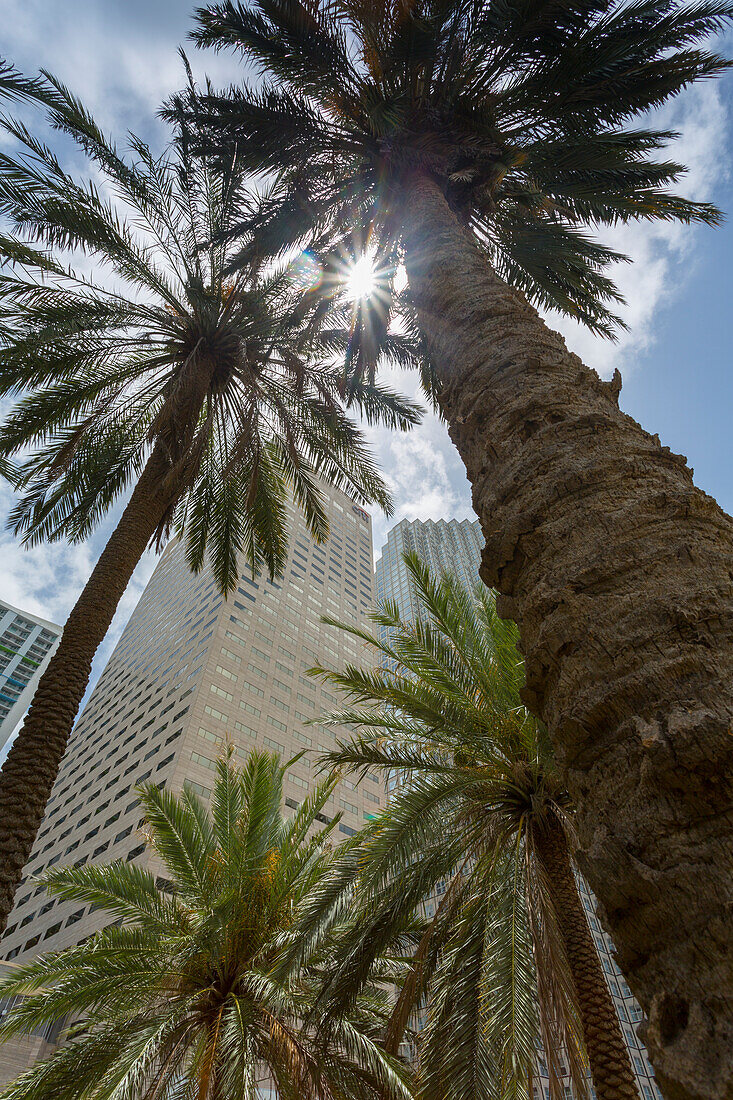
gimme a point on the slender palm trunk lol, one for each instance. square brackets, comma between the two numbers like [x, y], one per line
[33, 762]
[619, 573]
[610, 1064]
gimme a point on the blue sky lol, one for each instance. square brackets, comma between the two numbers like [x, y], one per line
[675, 360]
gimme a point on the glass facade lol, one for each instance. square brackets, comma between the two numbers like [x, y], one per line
[442, 544]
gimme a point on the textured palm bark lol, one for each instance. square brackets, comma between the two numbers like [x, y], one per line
[609, 1060]
[33, 762]
[619, 572]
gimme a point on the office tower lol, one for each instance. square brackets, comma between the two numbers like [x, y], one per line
[190, 672]
[456, 546]
[26, 646]
[453, 544]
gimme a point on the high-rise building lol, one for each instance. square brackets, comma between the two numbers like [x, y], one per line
[453, 545]
[191, 672]
[456, 546]
[26, 646]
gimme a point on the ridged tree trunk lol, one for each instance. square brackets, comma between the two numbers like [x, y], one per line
[619, 572]
[610, 1064]
[33, 762]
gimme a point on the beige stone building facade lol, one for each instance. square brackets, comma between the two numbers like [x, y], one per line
[190, 673]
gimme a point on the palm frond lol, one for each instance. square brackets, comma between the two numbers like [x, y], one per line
[185, 992]
[100, 377]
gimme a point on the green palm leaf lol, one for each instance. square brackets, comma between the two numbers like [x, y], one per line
[188, 996]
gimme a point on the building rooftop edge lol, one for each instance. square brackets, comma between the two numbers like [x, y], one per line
[31, 615]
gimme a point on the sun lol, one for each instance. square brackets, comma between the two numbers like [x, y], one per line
[361, 278]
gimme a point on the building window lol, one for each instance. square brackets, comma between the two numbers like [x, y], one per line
[232, 656]
[198, 788]
[204, 761]
[217, 713]
[225, 694]
[215, 738]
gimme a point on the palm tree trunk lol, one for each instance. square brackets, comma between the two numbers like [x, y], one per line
[33, 762]
[619, 572]
[610, 1064]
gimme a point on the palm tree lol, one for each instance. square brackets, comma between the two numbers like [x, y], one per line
[482, 806]
[483, 142]
[209, 396]
[179, 997]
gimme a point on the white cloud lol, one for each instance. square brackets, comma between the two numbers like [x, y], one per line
[422, 469]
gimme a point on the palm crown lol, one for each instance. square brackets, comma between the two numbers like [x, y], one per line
[181, 997]
[478, 787]
[522, 112]
[158, 347]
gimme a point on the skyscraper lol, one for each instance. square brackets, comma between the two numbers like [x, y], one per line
[190, 672]
[26, 646]
[456, 546]
[442, 544]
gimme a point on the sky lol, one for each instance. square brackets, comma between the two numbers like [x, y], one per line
[675, 358]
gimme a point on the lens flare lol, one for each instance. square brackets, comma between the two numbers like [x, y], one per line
[306, 271]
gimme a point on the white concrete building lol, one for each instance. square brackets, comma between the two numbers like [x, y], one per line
[27, 644]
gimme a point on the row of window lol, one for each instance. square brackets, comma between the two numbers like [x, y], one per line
[76, 824]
